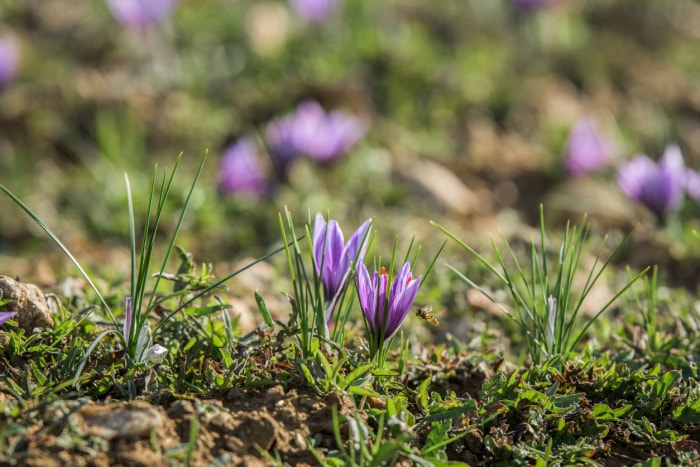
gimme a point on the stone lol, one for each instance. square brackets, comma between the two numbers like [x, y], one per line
[112, 421]
[28, 301]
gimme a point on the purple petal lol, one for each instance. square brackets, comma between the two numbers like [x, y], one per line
[319, 241]
[366, 292]
[357, 239]
[6, 315]
[632, 176]
[672, 170]
[9, 59]
[314, 11]
[241, 170]
[381, 299]
[586, 150]
[657, 186]
[404, 291]
[308, 126]
[279, 137]
[692, 184]
[532, 3]
[140, 14]
[333, 257]
[339, 133]
[391, 312]
[332, 273]
[310, 131]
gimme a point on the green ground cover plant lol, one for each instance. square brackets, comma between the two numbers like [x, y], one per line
[421, 234]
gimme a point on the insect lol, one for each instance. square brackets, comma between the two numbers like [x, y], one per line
[425, 312]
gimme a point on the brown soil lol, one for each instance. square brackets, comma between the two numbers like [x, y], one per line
[240, 429]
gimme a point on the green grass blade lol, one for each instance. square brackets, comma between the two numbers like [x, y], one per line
[215, 285]
[62, 247]
[471, 251]
[83, 361]
[183, 212]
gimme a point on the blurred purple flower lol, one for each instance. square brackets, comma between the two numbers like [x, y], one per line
[241, 170]
[312, 132]
[6, 315]
[692, 184]
[140, 14]
[533, 3]
[279, 137]
[384, 315]
[9, 59]
[657, 186]
[314, 11]
[334, 258]
[586, 150]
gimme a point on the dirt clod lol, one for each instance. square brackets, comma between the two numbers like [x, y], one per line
[29, 303]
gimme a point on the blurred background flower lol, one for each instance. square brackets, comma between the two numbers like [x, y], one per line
[586, 150]
[312, 132]
[658, 186]
[9, 58]
[692, 184]
[533, 3]
[141, 14]
[314, 11]
[241, 170]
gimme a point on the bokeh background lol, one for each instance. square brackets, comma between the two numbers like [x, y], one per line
[467, 107]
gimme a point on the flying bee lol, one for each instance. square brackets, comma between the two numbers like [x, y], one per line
[425, 312]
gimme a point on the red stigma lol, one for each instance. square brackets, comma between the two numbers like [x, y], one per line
[408, 279]
[383, 271]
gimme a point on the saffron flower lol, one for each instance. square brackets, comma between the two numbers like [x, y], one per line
[586, 150]
[146, 351]
[659, 187]
[310, 131]
[384, 313]
[9, 59]
[314, 11]
[242, 171]
[141, 14]
[6, 315]
[334, 258]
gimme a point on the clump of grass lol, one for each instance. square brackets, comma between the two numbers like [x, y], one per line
[135, 334]
[545, 297]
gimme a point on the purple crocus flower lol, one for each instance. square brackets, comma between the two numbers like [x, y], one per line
[311, 131]
[314, 11]
[384, 314]
[6, 315]
[140, 14]
[9, 59]
[334, 258]
[586, 151]
[659, 186]
[242, 171]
